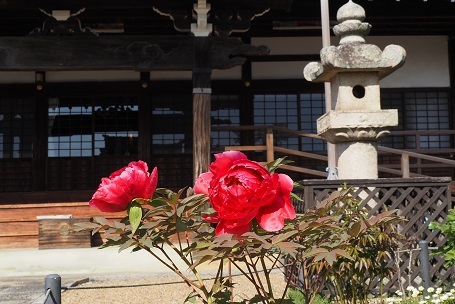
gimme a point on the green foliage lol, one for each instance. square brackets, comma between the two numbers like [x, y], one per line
[448, 230]
[344, 248]
[371, 241]
[297, 298]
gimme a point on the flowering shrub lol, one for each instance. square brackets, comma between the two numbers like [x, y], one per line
[348, 247]
[421, 296]
[448, 231]
[251, 224]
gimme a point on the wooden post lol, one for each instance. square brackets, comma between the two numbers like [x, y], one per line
[405, 165]
[201, 105]
[269, 145]
[40, 141]
[144, 127]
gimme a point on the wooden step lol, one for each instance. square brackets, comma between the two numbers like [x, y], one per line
[19, 226]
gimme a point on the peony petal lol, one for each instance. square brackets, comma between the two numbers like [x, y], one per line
[223, 227]
[152, 184]
[202, 184]
[224, 161]
[139, 165]
[117, 193]
[286, 183]
[213, 218]
[232, 155]
[105, 206]
[270, 217]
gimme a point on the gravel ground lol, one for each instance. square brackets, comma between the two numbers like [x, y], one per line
[159, 289]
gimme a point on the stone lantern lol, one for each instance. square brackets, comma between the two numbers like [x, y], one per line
[355, 122]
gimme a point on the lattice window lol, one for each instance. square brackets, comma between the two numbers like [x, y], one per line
[82, 130]
[225, 111]
[419, 110]
[280, 110]
[16, 128]
[172, 124]
[312, 107]
[297, 112]
[85, 127]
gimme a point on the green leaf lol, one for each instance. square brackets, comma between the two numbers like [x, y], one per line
[273, 165]
[296, 197]
[86, 226]
[283, 236]
[180, 225]
[157, 202]
[354, 231]
[289, 247]
[101, 220]
[191, 298]
[126, 245]
[135, 215]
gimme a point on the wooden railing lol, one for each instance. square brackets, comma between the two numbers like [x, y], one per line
[270, 147]
[402, 170]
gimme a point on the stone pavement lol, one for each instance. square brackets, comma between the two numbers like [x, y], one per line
[22, 271]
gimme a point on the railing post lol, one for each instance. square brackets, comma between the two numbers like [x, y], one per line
[269, 145]
[425, 263]
[53, 283]
[405, 165]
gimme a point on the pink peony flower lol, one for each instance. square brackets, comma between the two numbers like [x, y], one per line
[241, 190]
[116, 192]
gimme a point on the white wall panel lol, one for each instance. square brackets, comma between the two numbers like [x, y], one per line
[278, 70]
[291, 45]
[82, 76]
[234, 73]
[427, 63]
[17, 77]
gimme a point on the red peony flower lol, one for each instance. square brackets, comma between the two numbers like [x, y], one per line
[241, 190]
[116, 192]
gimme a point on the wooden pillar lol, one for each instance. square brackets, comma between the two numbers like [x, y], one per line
[202, 70]
[40, 141]
[144, 114]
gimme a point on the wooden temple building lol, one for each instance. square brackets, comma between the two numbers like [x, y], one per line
[88, 86]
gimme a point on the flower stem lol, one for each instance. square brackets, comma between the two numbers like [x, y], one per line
[288, 282]
[267, 278]
[260, 288]
[175, 269]
[189, 264]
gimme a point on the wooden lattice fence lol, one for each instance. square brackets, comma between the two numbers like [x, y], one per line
[420, 200]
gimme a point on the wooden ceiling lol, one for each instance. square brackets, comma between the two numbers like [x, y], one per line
[285, 17]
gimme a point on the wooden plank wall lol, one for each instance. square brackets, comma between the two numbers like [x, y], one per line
[19, 226]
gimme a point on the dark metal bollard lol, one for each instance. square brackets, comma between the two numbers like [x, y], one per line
[53, 283]
[425, 263]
